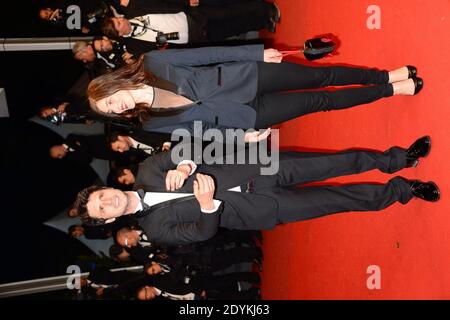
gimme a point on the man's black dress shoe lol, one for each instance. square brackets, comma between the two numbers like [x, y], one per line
[419, 149]
[427, 191]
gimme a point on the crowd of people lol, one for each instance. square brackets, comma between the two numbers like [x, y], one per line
[156, 66]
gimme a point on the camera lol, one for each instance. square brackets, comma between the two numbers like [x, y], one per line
[56, 118]
[99, 13]
[162, 38]
[115, 55]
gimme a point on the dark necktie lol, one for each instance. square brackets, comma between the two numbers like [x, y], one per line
[141, 194]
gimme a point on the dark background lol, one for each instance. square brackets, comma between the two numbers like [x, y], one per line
[34, 187]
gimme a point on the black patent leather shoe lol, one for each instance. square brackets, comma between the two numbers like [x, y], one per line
[427, 191]
[419, 149]
[418, 85]
[412, 72]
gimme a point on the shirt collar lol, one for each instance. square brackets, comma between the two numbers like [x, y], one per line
[139, 206]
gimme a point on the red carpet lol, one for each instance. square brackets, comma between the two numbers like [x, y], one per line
[327, 258]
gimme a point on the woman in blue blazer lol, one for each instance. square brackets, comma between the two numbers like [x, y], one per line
[236, 87]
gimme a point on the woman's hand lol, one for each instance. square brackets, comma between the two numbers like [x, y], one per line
[272, 56]
[256, 136]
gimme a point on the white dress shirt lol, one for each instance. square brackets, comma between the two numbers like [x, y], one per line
[142, 146]
[153, 198]
[189, 296]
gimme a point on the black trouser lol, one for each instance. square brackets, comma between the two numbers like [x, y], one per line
[296, 204]
[274, 106]
[250, 294]
[236, 18]
[226, 258]
[227, 281]
[238, 237]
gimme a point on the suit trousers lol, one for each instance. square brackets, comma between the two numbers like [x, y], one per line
[226, 281]
[297, 204]
[226, 258]
[274, 105]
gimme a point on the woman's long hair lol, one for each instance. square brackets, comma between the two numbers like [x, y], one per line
[129, 77]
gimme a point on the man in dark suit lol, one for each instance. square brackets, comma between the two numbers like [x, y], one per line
[180, 207]
[142, 142]
[145, 19]
[224, 287]
[82, 148]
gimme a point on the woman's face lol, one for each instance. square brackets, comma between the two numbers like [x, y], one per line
[116, 103]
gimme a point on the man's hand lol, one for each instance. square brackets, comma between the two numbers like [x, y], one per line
[256, 136]
[100, 291]
[62, 106]
[204, 188]
[175, 178]
[55, 14]
[272, 56]
[166, 146]
[194, 3]
[127, 58]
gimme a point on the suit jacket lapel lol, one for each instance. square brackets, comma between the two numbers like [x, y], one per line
[162, 205]
[165, 85]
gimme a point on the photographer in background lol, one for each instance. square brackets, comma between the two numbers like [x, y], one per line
[123, 178]
[112, 52]
[82, 149]
[74, 111]
[93, 12]
[153, 24]
[84, 51]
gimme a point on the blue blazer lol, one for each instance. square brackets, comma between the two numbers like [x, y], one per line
[220, 81]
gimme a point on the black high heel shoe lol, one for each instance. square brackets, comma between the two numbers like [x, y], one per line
[412, 72]
[418, 85]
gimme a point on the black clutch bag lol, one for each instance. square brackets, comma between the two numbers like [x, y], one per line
[317, 48]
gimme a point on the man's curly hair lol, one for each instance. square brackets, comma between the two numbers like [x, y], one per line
[81, 206]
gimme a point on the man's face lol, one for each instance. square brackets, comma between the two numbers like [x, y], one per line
[116, 103]
[155, 268]
[124, 256]
[127, 177]
[47, 112]
[45, 14]
[86, 54]
[107, 204]
[121, 144]
[58, 152]
[73, 213]
[146, 293]
[77, 232]
[128, 238]
[122, 26]
[103, 45]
